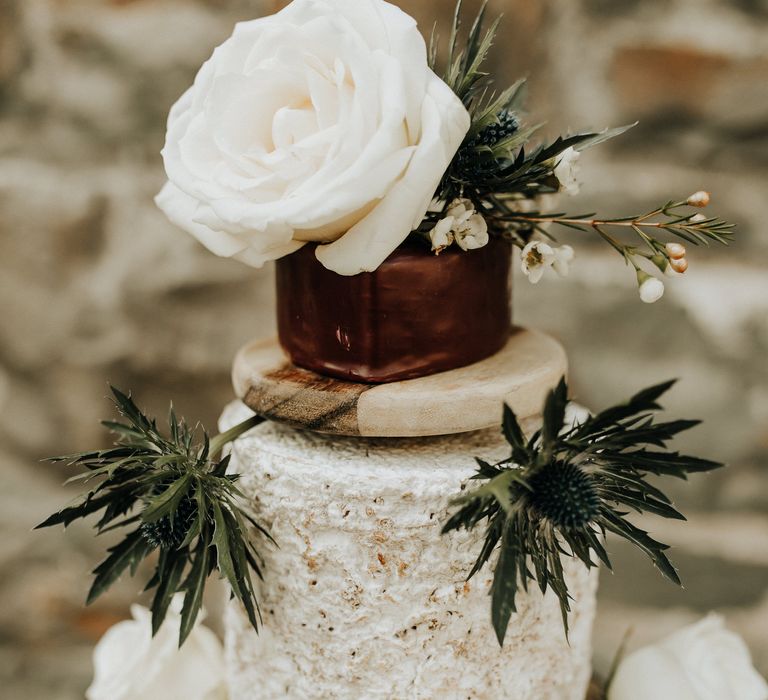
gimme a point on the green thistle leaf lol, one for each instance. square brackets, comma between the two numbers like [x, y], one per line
[170, 569]
[194, 587]
[166, 504]
[223, 555]
[126, 554]
[514, 435]
[554, 418]
[504, 588]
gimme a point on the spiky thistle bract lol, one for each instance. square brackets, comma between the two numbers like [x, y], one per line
[175, 498]
[562, 490]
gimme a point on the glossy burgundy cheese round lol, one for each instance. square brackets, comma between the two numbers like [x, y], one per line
[416, 315]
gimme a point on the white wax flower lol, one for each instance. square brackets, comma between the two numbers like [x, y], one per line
[470, 228]
[704, 661]
[442, 236]
[651, 290]
[129, 664]
[564, 256]
[538, 256]
[320, 123]
[474, 234]
[567, 171]
[462, 224]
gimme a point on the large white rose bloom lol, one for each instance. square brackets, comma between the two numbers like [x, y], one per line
[320, 123]
[129, 664]
[704, 661]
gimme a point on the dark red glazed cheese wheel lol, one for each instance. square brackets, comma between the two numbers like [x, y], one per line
[416, 315]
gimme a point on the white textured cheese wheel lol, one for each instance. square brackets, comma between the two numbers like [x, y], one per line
[365, 599]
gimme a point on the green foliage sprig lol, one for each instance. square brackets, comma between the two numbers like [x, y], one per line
[492, 162]
[672, 218]
[563, 489]
[175, 496]
[505, 175]
[463, 71]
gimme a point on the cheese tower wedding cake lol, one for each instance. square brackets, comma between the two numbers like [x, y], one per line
[365, 598]
[391, 184]
[402, 500]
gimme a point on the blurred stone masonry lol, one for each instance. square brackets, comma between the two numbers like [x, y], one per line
[96, 286]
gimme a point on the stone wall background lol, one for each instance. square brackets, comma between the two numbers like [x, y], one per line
[96, 287]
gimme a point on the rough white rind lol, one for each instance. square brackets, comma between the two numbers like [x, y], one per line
[365, 599]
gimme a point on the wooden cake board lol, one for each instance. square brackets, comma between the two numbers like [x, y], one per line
[458, 401]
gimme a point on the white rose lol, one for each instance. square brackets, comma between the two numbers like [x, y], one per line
[129, 664]
[702, 662]
[320, 123]
[567, 171]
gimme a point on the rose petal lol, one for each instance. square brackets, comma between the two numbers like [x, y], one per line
[365, 246]
[255, 249]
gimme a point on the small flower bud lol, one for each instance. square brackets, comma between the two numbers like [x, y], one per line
[675, 251]
[651, 288]
[660, 261]
[697, 219]
[699, 199]
[680, 265]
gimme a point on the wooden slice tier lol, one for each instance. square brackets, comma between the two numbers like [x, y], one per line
[462, 400]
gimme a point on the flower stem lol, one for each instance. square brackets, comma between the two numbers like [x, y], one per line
[635, 223]
[621, 249]
[218, 442]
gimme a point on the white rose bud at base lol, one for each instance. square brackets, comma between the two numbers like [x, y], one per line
[320, 123]
[702, 662]
[130, 664]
